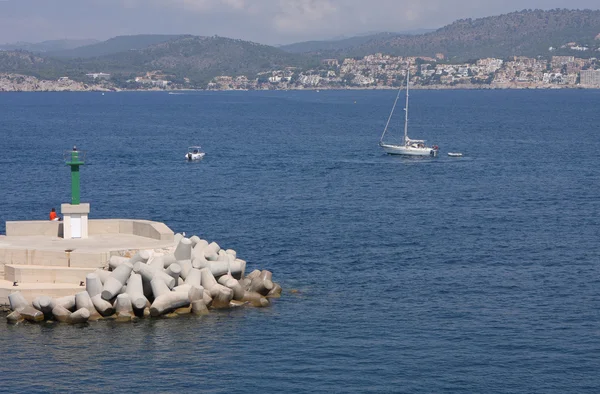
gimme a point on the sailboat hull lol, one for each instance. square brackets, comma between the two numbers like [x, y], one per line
[408, 150]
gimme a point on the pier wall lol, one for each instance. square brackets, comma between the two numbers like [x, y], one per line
[142, 228]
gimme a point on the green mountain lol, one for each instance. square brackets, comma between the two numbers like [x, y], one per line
[202, 58]
[344, 43]
[524, 33]
[27, 63]
[114, 45]
[46, 46]
[196, 58]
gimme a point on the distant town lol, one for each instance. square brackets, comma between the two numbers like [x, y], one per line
[376, 71]
[383, 71]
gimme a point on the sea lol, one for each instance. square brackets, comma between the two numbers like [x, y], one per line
[478, 274]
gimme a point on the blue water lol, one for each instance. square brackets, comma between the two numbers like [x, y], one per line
[477, 274]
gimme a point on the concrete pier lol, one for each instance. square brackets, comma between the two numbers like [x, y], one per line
[130, 268]
[35, 255]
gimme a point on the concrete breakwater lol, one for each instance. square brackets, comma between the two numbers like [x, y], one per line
[193, 277]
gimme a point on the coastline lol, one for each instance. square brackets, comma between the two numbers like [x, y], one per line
[24, 83]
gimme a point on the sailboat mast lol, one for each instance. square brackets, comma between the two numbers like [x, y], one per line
[406, 109]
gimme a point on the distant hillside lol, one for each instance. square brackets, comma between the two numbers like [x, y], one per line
[524, 33]
[47, 46]
[197, 58]
[115, 45]
[27, 63]
[343, 43]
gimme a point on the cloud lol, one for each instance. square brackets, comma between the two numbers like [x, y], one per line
[204, 5]
[264, 21]
[299, 15]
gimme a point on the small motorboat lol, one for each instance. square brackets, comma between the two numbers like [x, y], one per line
[194, 153]
[455, 154]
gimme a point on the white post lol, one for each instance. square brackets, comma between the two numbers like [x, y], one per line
[75, 220]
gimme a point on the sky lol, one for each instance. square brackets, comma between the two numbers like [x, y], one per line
[271, 22]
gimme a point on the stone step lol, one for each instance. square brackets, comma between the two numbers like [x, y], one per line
[45, 274]
[32, 290]
[56, 258]
[16, 255]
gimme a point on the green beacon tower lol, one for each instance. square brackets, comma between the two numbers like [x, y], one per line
[74, 161]
[75, 214]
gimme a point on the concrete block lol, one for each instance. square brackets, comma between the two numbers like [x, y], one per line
[232, 283]
[103, 275]
[83, 301]
[184, 287]
[197, 253]
[17, 301]
[104, 307]
[208, 279]
[245, 282]
[200, 262]
[183, 250]
[31, 314]
[169, 259]
[201, 244]
[61, 314]
[149, 273]
[214, 246]
[169, 302]
[159, 287]
[142, 255]
[194, 277]
[237, 268]
[195, 239]
[79, 316]
[207, 298]
[174, 270]
[135, 290]
[184, 310]
[186, 266]
[176, 238]
[196, 293]
[219, 268]
[93, 285]
[275, 292]
[44, 304]
[116, 261]
[210, 254]
[221, 296]
[157, 262]
[199, 308]
[255, 299]
[116, 281]
[123, 305]
[261, 285]
[253, 274]
[14, 318]
[66, 302]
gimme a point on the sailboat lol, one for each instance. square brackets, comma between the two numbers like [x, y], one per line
[408, 147]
